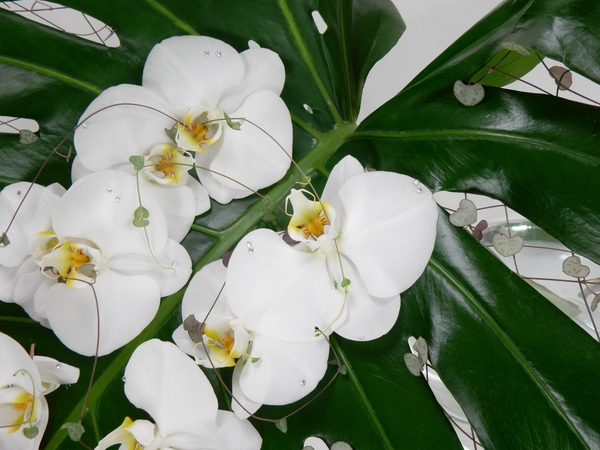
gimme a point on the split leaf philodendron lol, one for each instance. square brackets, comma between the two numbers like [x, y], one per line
[490, 336]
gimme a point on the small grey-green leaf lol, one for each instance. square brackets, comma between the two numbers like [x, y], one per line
[595, 302]
[413, 364]
[4, 241]
[88, 270]
[466, 214]
[345, 282]
[254, 360]
[75, 430]
[194, 328]
[137, 161]
[27, 137]
[231, 124]
[340, 445]
[468, 94]
[562, 77]
[513, 46]
[507, 246]
[282, 425]
[343, 370]
[420, 346]
[31, 432]
[572, 266]
[171, 134]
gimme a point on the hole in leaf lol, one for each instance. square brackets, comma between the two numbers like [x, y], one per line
[13, 125]
[319, 22]
[65, 19]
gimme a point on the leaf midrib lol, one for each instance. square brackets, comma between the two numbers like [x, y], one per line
[52, 74]
[507, 342]
[442, 135]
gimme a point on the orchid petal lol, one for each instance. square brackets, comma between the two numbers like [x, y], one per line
[341, 172]
[126, 304]
[192, 70]
[232, 434]
[167, 384]
[54, 373]
[263, 71]
[285, 372]
[177, 203]
[170, 269]
[279, 291]
[34, 215]
[109, 137]
[16, 364]
[368, 317]
[388, 229]
[17, 441]
[78, 170]
[100, 208]
[249, 157]
[200, 194]
[206, 287]
[241, 405]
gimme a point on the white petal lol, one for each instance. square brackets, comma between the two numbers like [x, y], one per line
[55, 373]
[341, 172]
[388, 230]
[200, 194]
[170, 270]
[241, 405]
[16, 440]
[100, 208]
[108, 138]
[232, 434]
[34, 215]
[264, 71]
[285, 372]
[279, 291]
[368, 317]
[177, 203]
[249, 156]
[203, 290]
[126, 304]
[192, 70]
[167, 384]
[15, 360]
[78, 170]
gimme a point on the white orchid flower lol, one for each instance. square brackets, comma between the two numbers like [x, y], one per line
[164, 382]
[20, 276]
[368, 240]
[267, 371]
[213, 81]
[92, 258]
[126, 121]
[23, 384]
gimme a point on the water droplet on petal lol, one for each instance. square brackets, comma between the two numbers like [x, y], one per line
[18, 192]
[302, 383]
[361, 338]
[108, 189]
[117, 199]
[250, 248]
[84, 125]
[218, 53]
[58, 365]
[419, 190]
[206, 53]
[416, 182]
[9, 385]
[124, 379]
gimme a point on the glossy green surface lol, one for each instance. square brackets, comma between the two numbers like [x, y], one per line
[526, 376]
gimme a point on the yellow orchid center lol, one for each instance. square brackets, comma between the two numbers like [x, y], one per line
[194, 133]
[126, 435]
[310, 217]
[220, 347]
[21, 409]
[66, 260]
[167, 164]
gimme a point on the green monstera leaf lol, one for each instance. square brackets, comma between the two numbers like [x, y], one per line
[524, 373]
